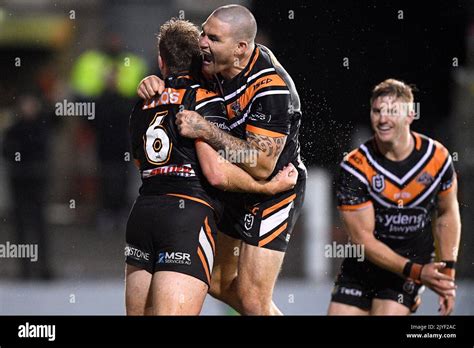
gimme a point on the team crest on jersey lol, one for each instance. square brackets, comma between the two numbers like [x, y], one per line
[248, 221]
[425, 179]
[378, 183]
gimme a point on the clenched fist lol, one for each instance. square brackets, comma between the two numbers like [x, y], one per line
[191, 124]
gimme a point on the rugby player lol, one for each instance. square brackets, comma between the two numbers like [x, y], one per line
[172, 226]
[387, 192]
[264, 115]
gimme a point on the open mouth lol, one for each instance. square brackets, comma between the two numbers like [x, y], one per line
[207, 58]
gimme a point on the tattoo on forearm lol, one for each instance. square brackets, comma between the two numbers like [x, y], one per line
[257, 144]
[197, 124]
[221, 140]
[270, 146]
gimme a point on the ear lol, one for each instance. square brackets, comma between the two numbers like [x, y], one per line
[411, 116]
[241, 48]
[160, 63]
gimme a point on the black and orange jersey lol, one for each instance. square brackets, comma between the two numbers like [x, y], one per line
[263, 99]
[168, 162]
[403, 193]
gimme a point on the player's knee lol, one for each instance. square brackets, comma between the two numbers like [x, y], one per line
[221, 288]
[215, 288]
[254, 300]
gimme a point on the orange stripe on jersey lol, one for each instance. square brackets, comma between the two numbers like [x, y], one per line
[257, 53]
[273, 80]
[209, 234]
[414, 188]
[137, 163]
[202, 93]
[278, 205]
[358, 160]
[262, 131]
[251, 90]
[190, 198]
[395, 194]
[168, 97]
[204, 264]
[272, 236]
[355, 206]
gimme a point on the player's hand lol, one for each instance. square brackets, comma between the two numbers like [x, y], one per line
[285, 180]
[150, 86]
[191, 124]
[440, 283]
[446, 304]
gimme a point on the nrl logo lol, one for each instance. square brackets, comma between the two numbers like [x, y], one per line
[248, 221]
[378, 183]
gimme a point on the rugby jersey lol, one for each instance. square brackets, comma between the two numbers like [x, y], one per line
[402, 193]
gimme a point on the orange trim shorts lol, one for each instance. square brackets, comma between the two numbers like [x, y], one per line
[170, 233]
[263, 221]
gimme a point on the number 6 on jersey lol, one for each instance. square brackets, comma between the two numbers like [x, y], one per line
[156, 141]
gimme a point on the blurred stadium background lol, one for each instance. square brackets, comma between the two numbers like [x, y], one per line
[80, 184]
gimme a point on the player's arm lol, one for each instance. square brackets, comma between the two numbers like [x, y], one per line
[447, 232]
[360, 225]
[228, 177]
[266, 149]
[447, 227]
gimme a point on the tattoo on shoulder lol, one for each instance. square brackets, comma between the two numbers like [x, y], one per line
[270, 146]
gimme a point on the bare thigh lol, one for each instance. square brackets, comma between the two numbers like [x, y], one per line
[177, 294]
[137, 290]
[388, 307]
[336, 308]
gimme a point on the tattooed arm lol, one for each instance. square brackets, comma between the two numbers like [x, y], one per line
[257, 155]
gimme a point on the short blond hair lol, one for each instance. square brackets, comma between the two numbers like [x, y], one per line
[178, 43]
[392, 87]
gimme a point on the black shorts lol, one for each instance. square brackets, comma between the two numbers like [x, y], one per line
[168, 233]
[358, 283]
[263, 221]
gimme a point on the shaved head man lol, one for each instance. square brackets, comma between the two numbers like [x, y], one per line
[227, 40]
[240, 20]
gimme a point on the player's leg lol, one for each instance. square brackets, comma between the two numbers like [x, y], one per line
[336, 308]
[257, 275]
[225, 270]
[139, 260]
[270, 225]
[352, 293]
[224, 274]
[388, 307]
[137, 288]
[185, 249]
[177, 294]
[395, 296]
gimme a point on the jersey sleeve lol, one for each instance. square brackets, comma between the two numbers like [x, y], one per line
[270, 114]
[207, 103]
[447, 179]
[352, 193]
